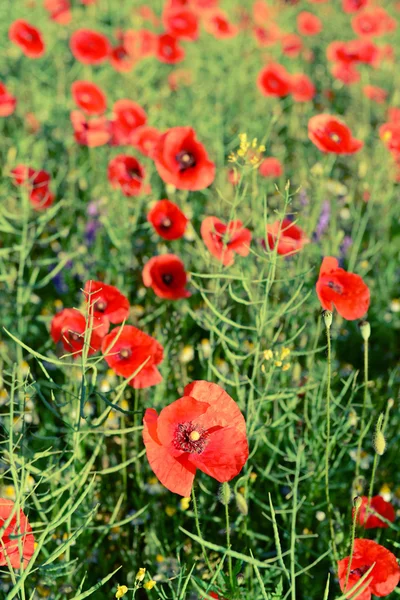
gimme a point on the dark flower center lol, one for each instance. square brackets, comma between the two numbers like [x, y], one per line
[134, 173]
[124, 353]
[100, 305]
[185, 160]
[74, 336]
[167, 278]
[166, 223]
[190, 438]
[335, 287]
[360, 571]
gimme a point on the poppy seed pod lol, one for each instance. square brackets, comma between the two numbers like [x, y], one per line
[365, 329]
[327, 316]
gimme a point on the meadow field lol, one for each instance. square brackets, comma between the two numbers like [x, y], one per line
[199, 299]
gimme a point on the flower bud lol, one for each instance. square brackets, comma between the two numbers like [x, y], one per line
[140, 575]
[357, 502]
[365, 329]
[241, 503]
[225, 494]
[327, 316]
[240, 578]
[379, 443]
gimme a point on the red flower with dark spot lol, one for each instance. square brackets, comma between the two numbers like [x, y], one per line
[28, 38]
[121, 60]
[167, 277]
[37, 183]
[303, 89]
[168, 49]
[384, 575]
[60, 11]
[168, 220]
[202, 430]
[331, 135]
[346, 291]
[89, 97]
[352, 6]
[69, 327]
[145, 139]
[181, 23]
[126, 172]
[378, 507]
[90, 47]
[224, 240]
[128, 116]
[274, 80]
[134, 355]
[308, 24]
[288, 235]
[373, 22]
[217, 24]
[7, 102]
[271, 167]
[106, 301]
[181, 160]
[292, 45]
[91, 133]
[267, 36]
[16, 540]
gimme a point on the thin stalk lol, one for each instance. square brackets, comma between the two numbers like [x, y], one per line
[196, 518]
[357, 505]
[226, 493]
[364, 409]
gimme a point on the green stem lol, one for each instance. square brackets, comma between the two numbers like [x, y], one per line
[226, 493]
[364, 409]
[196, 518]
[357, 505]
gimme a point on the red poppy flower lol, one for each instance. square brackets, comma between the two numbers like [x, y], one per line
[394, 114]
[90, 47]
[263, 12]
[374, 93]
[145, 139]
[27, 37]
[16, 541]
[360, 50]
[346, 291]
[384, 576]
[181, 23]
[181, 160]
[128, 115]
[168, 49]
[89, 97]
[107, 301]
[378, 506]
[352, 6]
[140, 44]
[93, 133]
[270, 167]
[308, 24]
[217, 24]
[167, 276]
[292, 45]
[274, 80]
[331, 135]
[121, 60]
[223, 241]
[168, 220]
[127, 349]
[69, 326]
[37, 183]
[127, 173]
[7, 102]
[345, 72]
[373, 22]
[390, 135]
[288, 235]
[203, 430]
[60, 11]
[267, 36]
[303, 89]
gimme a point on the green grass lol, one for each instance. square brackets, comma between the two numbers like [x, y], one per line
[71, 449]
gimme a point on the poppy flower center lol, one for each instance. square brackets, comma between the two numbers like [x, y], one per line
[74, 336]
[360, 571]
[335, 287]
[185, 160]
[190, 438]
[167, 278]
[100, 305]
[124, 353]
[166, 223]
[134, 173]
[334, 137]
